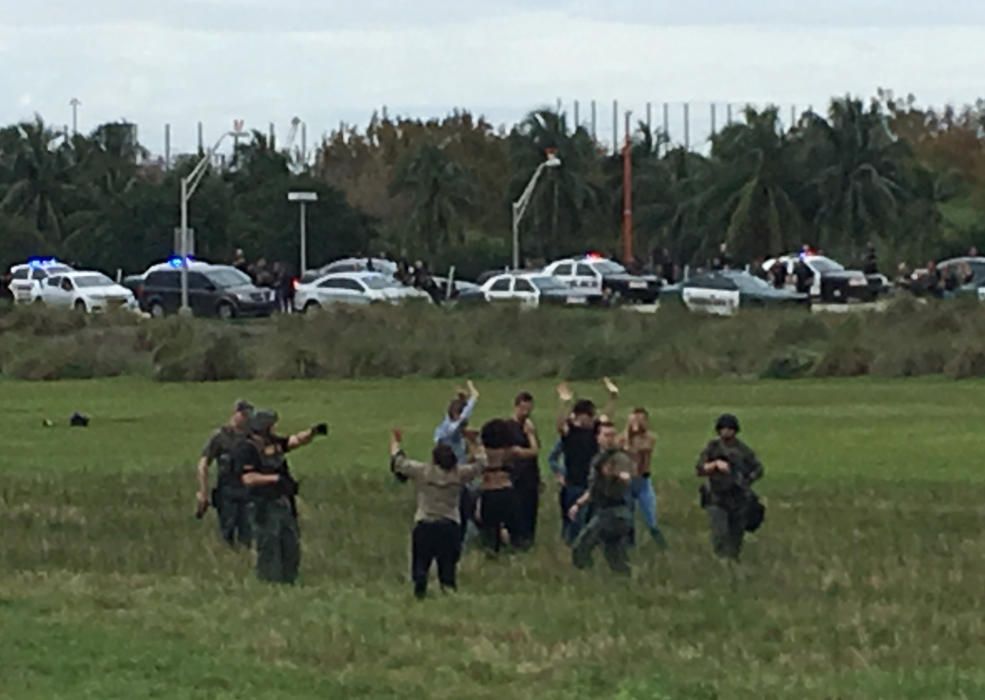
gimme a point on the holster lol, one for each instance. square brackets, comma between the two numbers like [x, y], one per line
[214, 496]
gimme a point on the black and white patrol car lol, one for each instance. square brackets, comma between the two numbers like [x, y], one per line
[724, 293]
[831, 282]
[27, 279]
[535, 289]
[607, 278]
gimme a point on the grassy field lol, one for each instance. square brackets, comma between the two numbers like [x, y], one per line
[865, 582]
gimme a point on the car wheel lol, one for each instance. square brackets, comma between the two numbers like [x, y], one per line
[80, 306]
[225, 311]
[156, 310]
[312, 307]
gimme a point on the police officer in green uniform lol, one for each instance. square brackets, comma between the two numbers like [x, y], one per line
[730, 468]
[611, 523]
[261, 459]
[229, 496]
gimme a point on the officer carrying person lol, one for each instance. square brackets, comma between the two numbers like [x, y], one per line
[611, 522]
[261, 459]
[730, 468]
[229, 495]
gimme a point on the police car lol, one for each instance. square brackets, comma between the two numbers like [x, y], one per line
[607, 278]
[91, 292]
[28, 278]
[723, 293]
[535, 289]
[831, 282]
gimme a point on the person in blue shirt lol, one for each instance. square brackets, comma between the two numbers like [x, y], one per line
[451, 432]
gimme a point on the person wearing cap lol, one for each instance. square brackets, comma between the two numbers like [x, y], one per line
[229, 496]
[729, 468]
[262, 460]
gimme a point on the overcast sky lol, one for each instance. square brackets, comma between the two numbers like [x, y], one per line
[181, 61]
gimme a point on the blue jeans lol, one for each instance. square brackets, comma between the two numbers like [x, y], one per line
[641, 492]
[569, 528]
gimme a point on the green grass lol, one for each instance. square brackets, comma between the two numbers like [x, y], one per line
[865, 581]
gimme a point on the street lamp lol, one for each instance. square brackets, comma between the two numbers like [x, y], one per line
[303, 198]
[189, 184]
[520, 205]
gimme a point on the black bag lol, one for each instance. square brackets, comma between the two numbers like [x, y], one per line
[755, 513]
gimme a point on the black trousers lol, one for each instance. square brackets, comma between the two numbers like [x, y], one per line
[498, 510]
[438, 540]
[527, 501]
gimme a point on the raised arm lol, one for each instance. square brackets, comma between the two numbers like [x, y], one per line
[613, 392]
[565, 396]
[400, 464]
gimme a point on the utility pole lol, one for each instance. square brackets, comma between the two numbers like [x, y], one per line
[627, 196]
[75, 103]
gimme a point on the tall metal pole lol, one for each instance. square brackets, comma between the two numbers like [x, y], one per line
[167, 146]
[577, 115]
[615, 127]
[687, 126]
[728, 114]
[304, 145]
[714, 120]
[184, 247]
[627, 199]
[201, 139]
[649, 118]
[516, 238]
[273, 138]
[594, 123]
[666, 127]
[75, 102]
[304, 240]
[793, 116]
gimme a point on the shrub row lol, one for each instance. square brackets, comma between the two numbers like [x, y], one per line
[908, 339]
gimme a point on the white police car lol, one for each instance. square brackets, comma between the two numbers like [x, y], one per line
[536, 289]
[28, 278]
[91, 292]
[605, 277]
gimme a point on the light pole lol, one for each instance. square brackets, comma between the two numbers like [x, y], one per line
[75, 103]
[303, 198]
[189, 184]
[520, 205]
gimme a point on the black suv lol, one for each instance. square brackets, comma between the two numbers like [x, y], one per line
[217, 290]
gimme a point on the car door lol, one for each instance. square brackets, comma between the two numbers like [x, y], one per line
[566, 273]
[202, 296]
[524, 292]
[500, 288]
[713, 295]
[51, 291]
[587, 278]
[66, 292]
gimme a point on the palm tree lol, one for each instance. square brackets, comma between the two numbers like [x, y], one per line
[857, 184]
[568, 196]
[442, 194]
[40, 180]
[752, 192]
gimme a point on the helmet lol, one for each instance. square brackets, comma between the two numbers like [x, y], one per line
[727, 420]
[262, 421]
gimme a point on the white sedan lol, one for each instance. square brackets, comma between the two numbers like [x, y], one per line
[353, 288]
[536, 289]
[91, 292]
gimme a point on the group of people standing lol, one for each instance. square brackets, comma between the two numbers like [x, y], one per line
[484, 486]
[277, 277]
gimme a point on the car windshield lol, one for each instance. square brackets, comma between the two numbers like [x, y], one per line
[228, 277]
[607, 267]
[83, 281]
[547, 283]
[823, 265]
[377, 282]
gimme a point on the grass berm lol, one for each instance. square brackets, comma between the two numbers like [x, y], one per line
[865, 581]
[909, 339]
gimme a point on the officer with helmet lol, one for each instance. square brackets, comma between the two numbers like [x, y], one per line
[729, 468]
[262, 460]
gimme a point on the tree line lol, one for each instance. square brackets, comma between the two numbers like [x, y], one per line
[910, 180]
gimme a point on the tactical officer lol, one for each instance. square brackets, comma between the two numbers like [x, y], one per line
[261, 459]
[730, 468]
[229, 496]
[611, 523]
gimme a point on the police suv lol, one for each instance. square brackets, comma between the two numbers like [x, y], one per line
[28, 278]
[606, 277]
